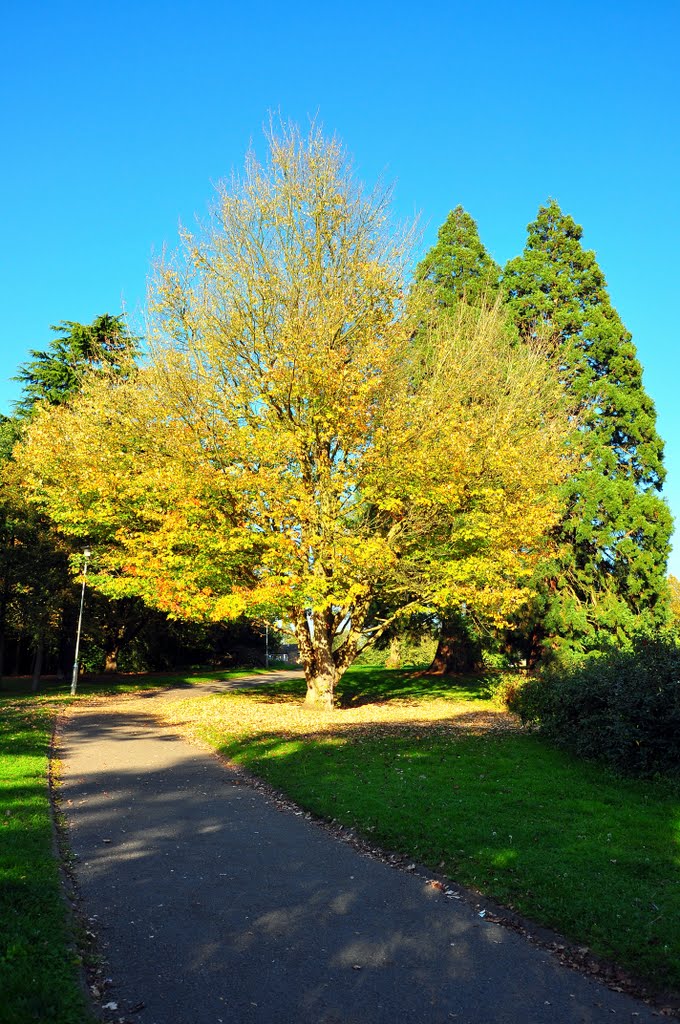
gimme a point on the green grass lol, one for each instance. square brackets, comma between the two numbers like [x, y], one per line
[38, 966]
[575, 848]
[103, 686]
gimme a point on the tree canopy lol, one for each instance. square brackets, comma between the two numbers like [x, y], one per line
[294, 447]
[54, 374]
[458, 267]
[616, 528]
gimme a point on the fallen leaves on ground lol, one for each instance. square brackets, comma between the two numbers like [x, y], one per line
[247, 714]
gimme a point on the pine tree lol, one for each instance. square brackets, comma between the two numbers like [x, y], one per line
[616, 527]
[458, 269]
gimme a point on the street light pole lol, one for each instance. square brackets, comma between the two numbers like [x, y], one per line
[74, 677]
[266, 646]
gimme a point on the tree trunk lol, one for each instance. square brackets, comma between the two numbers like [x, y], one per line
[316, 650]
[534, 650]
[320, 689]
[111, 659]
[458, 651]
[38, 663]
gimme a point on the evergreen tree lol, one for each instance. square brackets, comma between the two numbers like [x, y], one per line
[55, 374]
[458, 269]
[616, 528]
[458, 266]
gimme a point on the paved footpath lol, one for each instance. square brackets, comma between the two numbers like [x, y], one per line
[213, 906]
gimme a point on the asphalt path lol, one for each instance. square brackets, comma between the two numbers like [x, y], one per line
[212, 905]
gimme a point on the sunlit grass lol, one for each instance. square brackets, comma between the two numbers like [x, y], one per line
[438, 773]
[38, 965]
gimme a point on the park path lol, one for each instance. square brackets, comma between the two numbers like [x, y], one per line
[213, 906]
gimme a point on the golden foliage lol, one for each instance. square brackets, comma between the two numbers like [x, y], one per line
[295, 448]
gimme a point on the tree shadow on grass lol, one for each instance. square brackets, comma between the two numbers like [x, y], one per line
[207, 887]
[367, 685]
[373, 685]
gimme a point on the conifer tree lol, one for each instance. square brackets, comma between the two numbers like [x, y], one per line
[458, 269]
[616, 527]
[55, 374]
[458, 266]
[36, 589]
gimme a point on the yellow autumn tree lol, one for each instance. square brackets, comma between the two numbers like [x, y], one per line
[294, 449]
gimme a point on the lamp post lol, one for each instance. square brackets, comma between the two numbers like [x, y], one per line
[266, 645]
[74, 677]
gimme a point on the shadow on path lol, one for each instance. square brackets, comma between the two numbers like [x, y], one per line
[213, 906]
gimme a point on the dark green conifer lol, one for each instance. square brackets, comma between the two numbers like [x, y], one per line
[53, 375]
[616, 528]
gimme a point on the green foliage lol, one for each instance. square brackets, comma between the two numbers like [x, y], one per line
[458, 267]
[621, 707]
[615, 531]
[10, 432]
[55, 374]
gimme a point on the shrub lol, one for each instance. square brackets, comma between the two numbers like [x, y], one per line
[621, 707]
[503, 688]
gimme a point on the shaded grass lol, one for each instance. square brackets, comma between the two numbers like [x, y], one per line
[406, 764]
[104, 686]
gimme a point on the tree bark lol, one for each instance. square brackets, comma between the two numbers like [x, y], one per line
[111, 659]
[38, 663]
[329, 642]
[458, 651]
[321, 672]
[535, 647]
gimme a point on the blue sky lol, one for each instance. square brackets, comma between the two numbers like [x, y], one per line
[117, 119]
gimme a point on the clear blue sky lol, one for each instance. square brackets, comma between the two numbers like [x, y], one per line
[118, 117]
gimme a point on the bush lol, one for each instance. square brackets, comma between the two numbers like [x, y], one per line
[403, 652]
[503, 688]
[623, 707]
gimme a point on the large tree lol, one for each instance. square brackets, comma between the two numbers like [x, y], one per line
[294, 450]
[54, 374]
[457, 269]
[37, 595]
[615, 533]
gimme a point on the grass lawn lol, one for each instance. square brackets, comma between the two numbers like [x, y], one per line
[439, 774]
[38, 962]
[38, 967]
